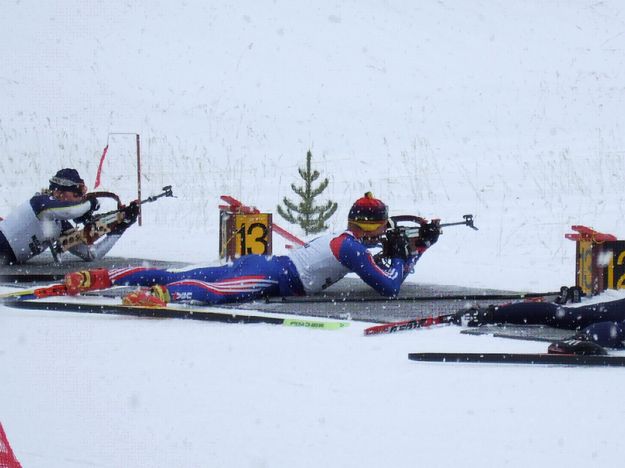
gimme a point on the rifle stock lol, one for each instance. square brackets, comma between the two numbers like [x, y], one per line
[90, 233]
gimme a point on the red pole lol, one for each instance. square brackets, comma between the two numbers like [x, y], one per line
[7, 457]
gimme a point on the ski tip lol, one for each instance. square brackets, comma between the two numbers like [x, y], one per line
[17, 296]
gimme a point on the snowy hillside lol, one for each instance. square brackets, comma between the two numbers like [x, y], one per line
[511, 111]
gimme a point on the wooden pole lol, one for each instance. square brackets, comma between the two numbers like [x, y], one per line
[139, 173]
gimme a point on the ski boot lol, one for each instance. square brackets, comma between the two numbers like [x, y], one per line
[563, 297]
[474, 316]
[576, 294]
[87, 280]
[156, 296]
[573, 294]
[576, 346]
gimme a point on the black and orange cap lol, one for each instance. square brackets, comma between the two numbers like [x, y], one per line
[368, 208]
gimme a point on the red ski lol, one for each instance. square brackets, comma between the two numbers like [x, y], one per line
[35, 293]
[393, 327]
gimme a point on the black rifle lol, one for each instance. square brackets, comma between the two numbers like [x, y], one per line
[394, 220]
[413, 232]
[99, 225]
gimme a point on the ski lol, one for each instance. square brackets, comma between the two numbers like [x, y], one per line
[30, 277]
[57, 289]
[393, 327]
[521, 332]
[521, 358]
[321, 325]
[193, 313]
[453, 297]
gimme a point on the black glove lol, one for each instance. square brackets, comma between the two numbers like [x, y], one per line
[397, 244]
[428, 233]
[95, 206]
[130, 215]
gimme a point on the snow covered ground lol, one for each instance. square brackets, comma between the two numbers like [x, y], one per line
[106, 391]
[510, 111]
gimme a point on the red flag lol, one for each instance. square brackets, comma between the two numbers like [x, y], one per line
[7, 458]
[97, 176]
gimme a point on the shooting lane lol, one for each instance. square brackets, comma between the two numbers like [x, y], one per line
[244, 229]
[350, 298]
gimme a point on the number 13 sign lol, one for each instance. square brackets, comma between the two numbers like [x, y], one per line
[244, 234]
[253, 234]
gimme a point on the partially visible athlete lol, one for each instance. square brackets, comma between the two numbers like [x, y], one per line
[37, 223]
[600, 322]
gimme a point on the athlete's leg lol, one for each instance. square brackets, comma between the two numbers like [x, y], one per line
[248, 277]
[554, 315]
[609, 334]
[527, 313]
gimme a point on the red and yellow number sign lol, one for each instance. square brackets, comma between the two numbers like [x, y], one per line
[616, 265]
[252, 234]
[584, 266]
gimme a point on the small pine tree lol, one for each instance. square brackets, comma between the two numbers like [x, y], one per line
[310, 217]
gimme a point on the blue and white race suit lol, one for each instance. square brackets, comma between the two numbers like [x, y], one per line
[306, 270]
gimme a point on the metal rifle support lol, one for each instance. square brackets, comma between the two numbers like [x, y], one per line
[37, 247]
[167, 192]
[98, 225]
[55, 254]
[468, 221]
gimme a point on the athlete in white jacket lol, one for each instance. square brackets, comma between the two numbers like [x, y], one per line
[35, 224]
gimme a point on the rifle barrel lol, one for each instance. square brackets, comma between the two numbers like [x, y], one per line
[468, 221]
[167, 192]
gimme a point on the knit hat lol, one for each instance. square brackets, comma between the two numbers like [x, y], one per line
[67, 180]
[368, 208]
